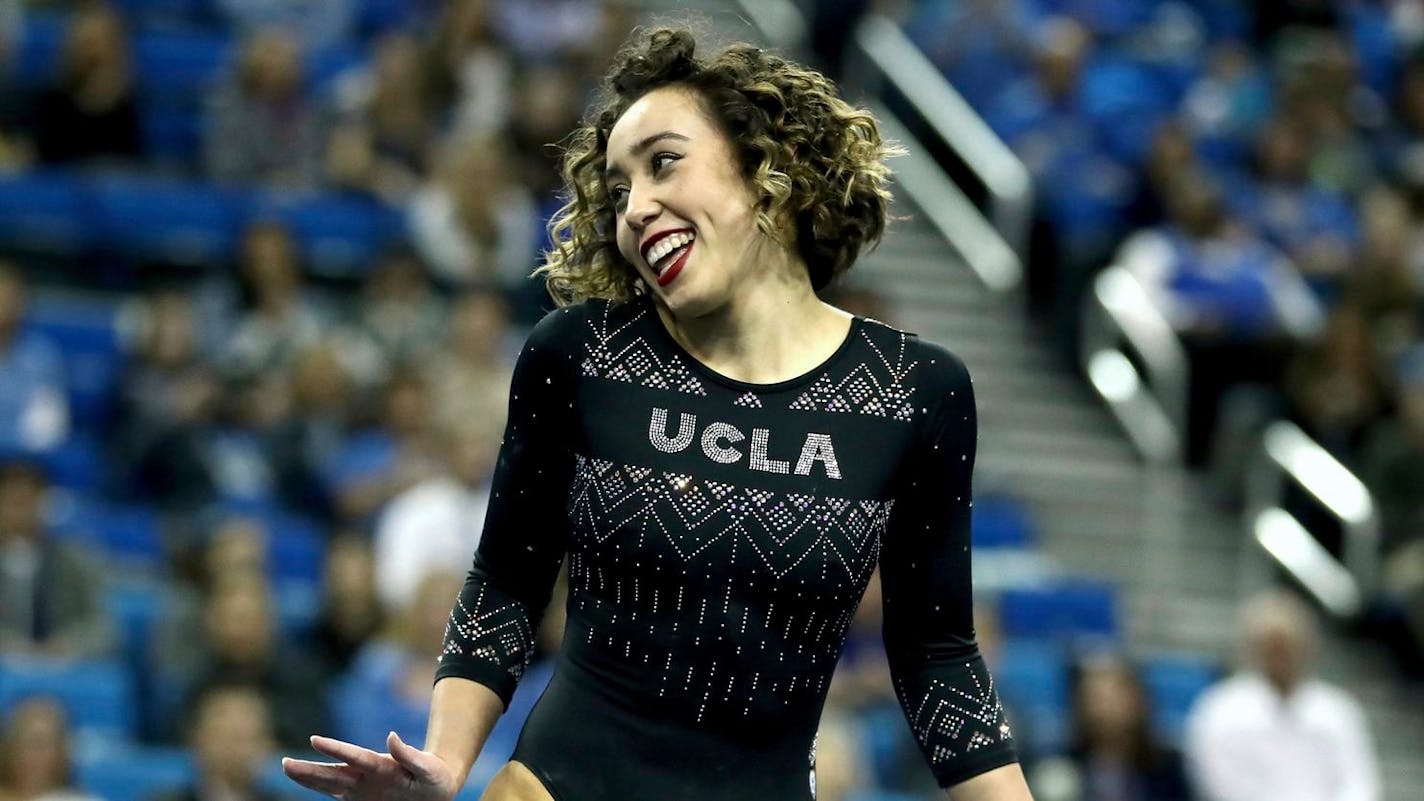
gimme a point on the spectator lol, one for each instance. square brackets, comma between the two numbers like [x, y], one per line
[1335, 387]
[350, 610]
[1382, 280]
[1393, 469]
[469, 376]
[1235, 300]
[1316, 228]
[49, 591]
[280, 316]
[379, 463]
[1171, 155]
[1113, 748]
[168, 401]
[381, 145]
[980, 45]
[262, 126]
[91, 112]
[241, 645]
[399, 319]
[34, 754]
[391, 681]
[34, 405]
[1226, 105]
[547, 98]
[1082, 191]
[1273, 732]
[546, 30]
[231, 737]
[15, 145]
[315, 23]
[471, 72]
[314, 431]
[473, 222]
[436, 523]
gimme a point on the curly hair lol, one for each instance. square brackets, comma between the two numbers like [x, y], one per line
[815, 162]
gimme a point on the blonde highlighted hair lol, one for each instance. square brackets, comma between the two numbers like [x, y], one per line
[815, 162]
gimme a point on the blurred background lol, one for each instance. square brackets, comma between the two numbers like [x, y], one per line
[263, 272]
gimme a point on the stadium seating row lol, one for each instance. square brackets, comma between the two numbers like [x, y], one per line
[144, 220]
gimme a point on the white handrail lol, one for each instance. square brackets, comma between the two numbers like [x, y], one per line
[1118, 310]
[881, 48]
[1288, 452]
[917, 79]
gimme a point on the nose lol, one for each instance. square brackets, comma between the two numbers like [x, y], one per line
[642, 208]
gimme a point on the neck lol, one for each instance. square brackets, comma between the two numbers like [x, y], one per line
[771, 330]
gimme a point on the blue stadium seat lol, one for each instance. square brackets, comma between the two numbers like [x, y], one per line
[135, 774]
[171, 222]
[128, 534]
[87, 333]
[324, 65]
[164, 14]
[296, 545]
[76, 464]
[176, 72]
[1002, 522]
[1032, 679]
[135, 605]
[1064, 610]
[181, 63]
[1173, 683]
[44, 212]
[339, 236]
[41, 41]
[97, 695]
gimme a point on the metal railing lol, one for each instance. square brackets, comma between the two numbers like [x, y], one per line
[1120, 321]
[994, 243]
[1342, 585]
[881, 45]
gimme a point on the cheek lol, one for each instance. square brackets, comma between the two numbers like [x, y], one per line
[627, 242]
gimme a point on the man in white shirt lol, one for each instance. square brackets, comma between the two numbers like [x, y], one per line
[436, 524]
[1272, 732]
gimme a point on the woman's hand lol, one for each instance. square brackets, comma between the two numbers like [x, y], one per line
[406, 773]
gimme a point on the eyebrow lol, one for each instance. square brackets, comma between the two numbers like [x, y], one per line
[641, 145]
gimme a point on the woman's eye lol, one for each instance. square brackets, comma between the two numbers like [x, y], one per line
[661, 159]
[619, 196]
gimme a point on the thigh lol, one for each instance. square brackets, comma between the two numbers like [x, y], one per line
[515, 782]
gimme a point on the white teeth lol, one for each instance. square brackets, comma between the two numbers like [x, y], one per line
[667, 245]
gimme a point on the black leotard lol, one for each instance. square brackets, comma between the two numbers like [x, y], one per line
[719, 536]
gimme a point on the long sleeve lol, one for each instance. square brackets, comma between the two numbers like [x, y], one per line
[940, 678]
[490, 636]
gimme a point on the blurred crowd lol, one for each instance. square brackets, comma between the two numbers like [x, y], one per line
[244, 485]
[1259, 167]
[260, 493]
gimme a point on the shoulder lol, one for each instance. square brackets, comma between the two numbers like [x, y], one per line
[1229, 698]
[931, 370]
[1333, 702]
[563, 328]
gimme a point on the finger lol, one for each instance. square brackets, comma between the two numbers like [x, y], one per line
[409, 757]
[324, 778]
[351, 754]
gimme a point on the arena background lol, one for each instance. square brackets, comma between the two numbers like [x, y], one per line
[265, 274]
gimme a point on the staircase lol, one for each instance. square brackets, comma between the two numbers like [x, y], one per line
[1045, 438]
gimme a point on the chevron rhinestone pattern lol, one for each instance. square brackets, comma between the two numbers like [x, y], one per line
[616, 353]
[952, 719]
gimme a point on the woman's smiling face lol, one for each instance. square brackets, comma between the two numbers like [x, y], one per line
[686, 217]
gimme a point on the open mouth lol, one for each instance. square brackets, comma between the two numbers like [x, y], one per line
[668, 255]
